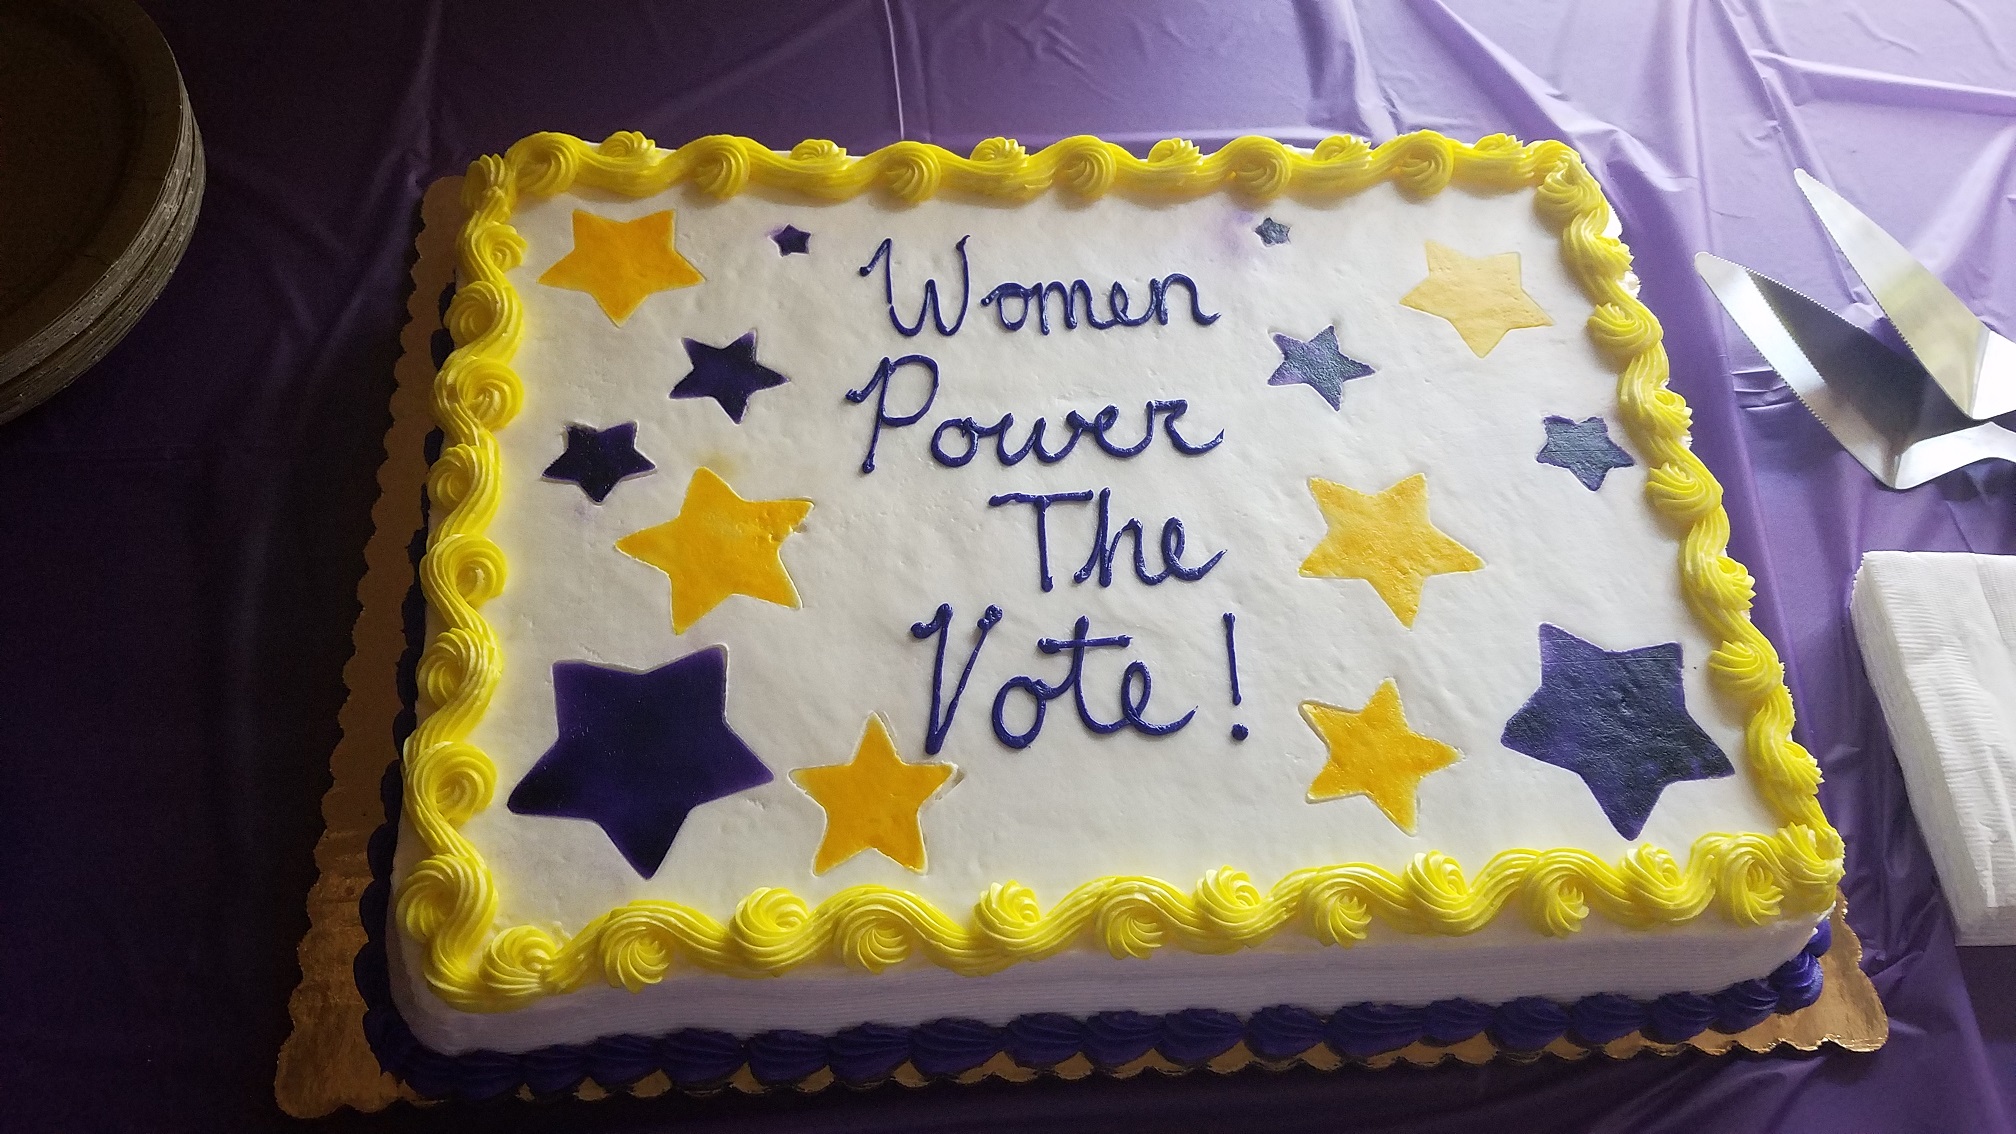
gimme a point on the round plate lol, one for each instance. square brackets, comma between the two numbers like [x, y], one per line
[100, 188]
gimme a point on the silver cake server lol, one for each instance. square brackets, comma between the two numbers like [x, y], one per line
[1974, 365]
[1888, 411]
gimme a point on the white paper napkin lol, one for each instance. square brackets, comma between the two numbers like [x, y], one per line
[1938, 635]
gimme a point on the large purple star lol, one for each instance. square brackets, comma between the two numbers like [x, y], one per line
[1317, 364]
[727, 374]
[597, 458]
[638, 751]
[1617, 719]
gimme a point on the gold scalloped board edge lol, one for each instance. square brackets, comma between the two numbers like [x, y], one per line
[447, 902]
[325, 1062]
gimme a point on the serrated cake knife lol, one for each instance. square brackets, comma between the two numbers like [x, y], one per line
[1887, 410]
[1974, 365]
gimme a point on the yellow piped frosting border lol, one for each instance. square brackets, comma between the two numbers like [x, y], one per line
[448, 901]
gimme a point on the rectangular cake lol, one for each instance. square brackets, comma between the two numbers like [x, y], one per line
[914, 608]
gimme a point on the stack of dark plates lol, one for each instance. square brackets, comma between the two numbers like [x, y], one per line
[101, 172]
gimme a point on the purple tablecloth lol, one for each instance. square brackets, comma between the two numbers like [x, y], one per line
[183, 528]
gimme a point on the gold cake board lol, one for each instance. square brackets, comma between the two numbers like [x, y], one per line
[326, 1064]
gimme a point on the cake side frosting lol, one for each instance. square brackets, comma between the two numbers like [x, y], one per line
[450, 898]
[618, 1048]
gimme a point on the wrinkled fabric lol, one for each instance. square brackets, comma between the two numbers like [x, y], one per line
[184, 527]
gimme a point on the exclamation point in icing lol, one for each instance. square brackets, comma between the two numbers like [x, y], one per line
[1232, 668]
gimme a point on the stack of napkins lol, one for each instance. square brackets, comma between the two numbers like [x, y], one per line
[1938, 634]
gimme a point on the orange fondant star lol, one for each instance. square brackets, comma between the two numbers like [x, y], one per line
[719, 545]
[1373, 753]
[620, 262]
[872, 801]
[1385, 539]
[1480, 296]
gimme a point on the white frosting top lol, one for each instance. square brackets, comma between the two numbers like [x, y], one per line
[879, 552]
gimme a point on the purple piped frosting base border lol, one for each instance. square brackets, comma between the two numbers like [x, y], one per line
[700, 1059]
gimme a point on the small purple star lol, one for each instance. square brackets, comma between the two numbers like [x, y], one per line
[1583, 448]
[792, 241]
[1617, 719]
[727, 374]
[1272, 231]
[597, 458]
[1317, 364]
[637, 752]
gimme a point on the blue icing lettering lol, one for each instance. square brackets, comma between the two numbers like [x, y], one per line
[1077, 295]
[1136, 687]
[1040, 504]
[1105, 548]
[1076, 301]
[885, 255]
[1106, 541]
[956, 440]
[940, 627]
[885, 373]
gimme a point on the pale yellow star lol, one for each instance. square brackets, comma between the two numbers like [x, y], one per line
[872, 801]
[719, 545]
[620, 262]
[1373, 753]
[1385, 539]
[1481, 296]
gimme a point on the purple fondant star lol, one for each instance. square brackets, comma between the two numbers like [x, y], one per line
[792, 241]
[1271, 231]
[638, 751]
[597, 458]
[1617, 719]
[1583, 448]
[1317, 364]
[727, 374]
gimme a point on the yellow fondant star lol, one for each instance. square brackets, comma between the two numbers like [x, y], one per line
[719, 545]
[620, 262]
[1373, 753]
[1481, 296]
[872, 801]
[1385, 539]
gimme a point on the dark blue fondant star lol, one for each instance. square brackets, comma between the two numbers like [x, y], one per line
[1617, 719]
[1272, 231]
[597, 458]
[1317, 364]
[1583, 448]
[792, 240]
[727, 374]
[638, 751]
